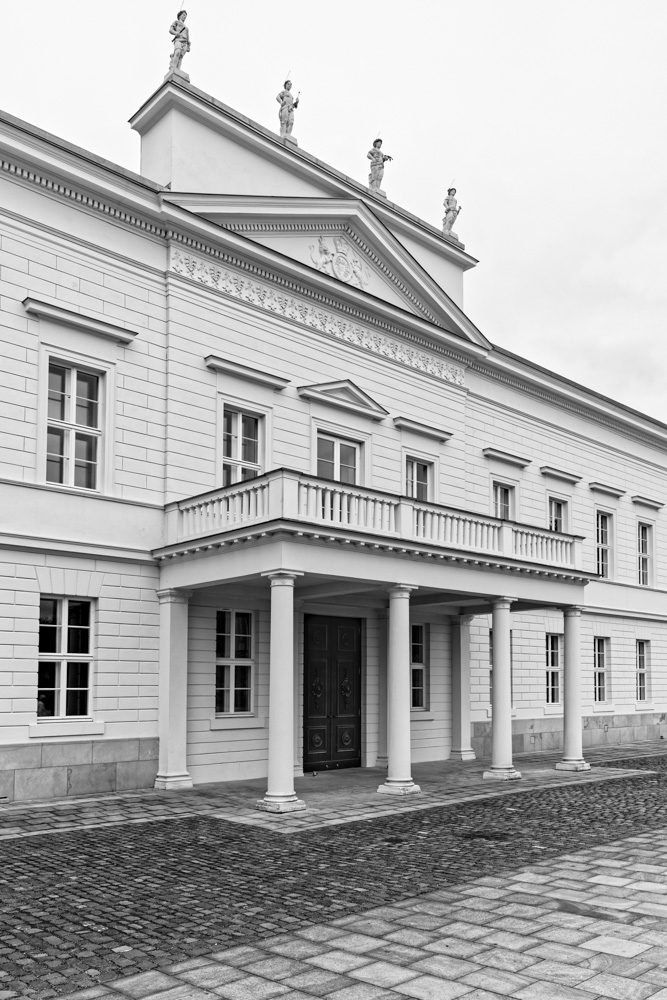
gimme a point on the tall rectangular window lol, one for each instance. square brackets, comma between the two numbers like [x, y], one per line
[502, 501]
[554, 669]
[418, 655]
[644, 554]
[337, 459]
[417, 476]
[603, 543]
[557, 510]
[73, 436]
[601, 683]
[240, 447]
[642, 667]
[65, 658]
[234, 662]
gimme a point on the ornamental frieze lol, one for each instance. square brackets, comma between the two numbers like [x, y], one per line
[315, 317]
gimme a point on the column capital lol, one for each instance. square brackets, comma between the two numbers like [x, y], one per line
[572, 612]
[503, 602]
[466, 619]
[172, 596]
[402, 590]
[283, 577]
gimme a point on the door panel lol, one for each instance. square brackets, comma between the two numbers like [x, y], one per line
[332, 693]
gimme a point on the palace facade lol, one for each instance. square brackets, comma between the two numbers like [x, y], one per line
[273, 504]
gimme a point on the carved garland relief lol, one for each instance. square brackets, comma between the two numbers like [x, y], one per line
[325, 321]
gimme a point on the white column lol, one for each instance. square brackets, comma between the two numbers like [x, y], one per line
[173, 690]
[461, 747]
[399, 772]
[280, 795]
[501, 706]
[573, 756]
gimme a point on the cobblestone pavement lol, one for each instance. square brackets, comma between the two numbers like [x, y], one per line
[86, 907]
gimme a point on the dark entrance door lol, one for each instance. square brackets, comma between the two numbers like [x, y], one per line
[332, 693]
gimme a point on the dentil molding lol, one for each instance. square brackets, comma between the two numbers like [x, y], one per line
[323, 320]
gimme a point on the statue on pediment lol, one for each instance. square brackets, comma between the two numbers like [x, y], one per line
[288, 106]
[378, 160]
[451, 212]
[181, 41]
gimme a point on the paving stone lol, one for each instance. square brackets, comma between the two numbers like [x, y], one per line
[550, 991]
[445, 966]
[616, 946]
[210, 976]
[357, 943]
[618, 987]
[430, 988]
[338, 961]
[455, 947]
[506, 960]
[145, 984]
[384, 974]
[360, 991]
[250, 988]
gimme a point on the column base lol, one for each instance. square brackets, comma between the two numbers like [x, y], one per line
[379, 192]
[502, 774]
[399, 788]
[179, 74]
[573, 765]
[280, 804]
[289, 140]
[170, 782]
[462, 755]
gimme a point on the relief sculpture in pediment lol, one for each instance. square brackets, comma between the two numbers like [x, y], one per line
[342, 261]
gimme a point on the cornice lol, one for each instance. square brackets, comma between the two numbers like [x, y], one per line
[506, 457]
[228, 367]
[80, 321]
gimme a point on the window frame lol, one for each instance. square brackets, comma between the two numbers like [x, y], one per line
[409, 481]
[420, 666]
[337, 441]
[604, 551]
[68, 426]
[62, 658]
[554, 498]
[642, 670]
[601, 669]
[498, 484]
[554, 668]
[645, 554]
[232, 662]
[236, 462]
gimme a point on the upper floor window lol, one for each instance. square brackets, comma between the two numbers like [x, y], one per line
[73, 439]
[234, 662]
[644, 554]
[418, 665]
[337, 459]
[240, 446]
[417, 476]
[553, 647]
[603, 543]
[642, 666]
[557, 512]
[601, 680]
[502, 501]
[65, 658]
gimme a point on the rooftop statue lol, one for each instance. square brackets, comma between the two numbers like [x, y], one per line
[451, 212]
[378, 159]
[288, 106]
[181, 41]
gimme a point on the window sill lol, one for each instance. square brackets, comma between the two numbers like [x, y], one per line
[604, 707]
[421, 715]
[644, 706]
[237, 722]
[65, 727]
[489, 712]
[553, 709]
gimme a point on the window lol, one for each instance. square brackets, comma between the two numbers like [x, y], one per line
[502, 500]
[418, 665]
[233, 662]
[240, 447]
[65, 658]
[644, 554]
[642, 660]
[557, 511]
[603, 542]
[73, 438]
[601, 669]
[553, 678]
[417, 476]
[337, 459]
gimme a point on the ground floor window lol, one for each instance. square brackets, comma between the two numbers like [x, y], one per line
[65, 658]
[553, 677]
[234, 641]
[418, 656]
[601, 680]
[642, 660]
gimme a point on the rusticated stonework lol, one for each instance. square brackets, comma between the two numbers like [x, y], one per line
[317, 318]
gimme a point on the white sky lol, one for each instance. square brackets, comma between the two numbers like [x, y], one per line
[549, 116]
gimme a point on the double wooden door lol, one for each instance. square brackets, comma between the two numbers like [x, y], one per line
[332, 693]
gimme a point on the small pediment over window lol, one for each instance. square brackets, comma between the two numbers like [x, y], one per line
[346, 395]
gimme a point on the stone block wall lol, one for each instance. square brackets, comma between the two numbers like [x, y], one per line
[533, 735]
[58, 770]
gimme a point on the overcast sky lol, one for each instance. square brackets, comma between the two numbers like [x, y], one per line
[550, 118]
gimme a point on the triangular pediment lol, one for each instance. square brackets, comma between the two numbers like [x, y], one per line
[343, 241]
[346, 395]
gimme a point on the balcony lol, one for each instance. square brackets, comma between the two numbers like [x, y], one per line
[303, 500]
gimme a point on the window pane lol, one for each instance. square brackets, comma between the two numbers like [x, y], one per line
[222, 678]
[85, 468]
[57, 392]
[87, 396]
[250, 439]
[55, 455]
[47, 675]
[242, 676]
[422, 481]
[223, 635]
[228, 438]
[241, 700]
[227, 475]
[48, 626]
[325, 458]
[348, 463]
[242, 640]
[47, 690]
[418, 688]
[417, 645]
[76, 703]
[247, 474]
[77, 675]
[46, 704]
